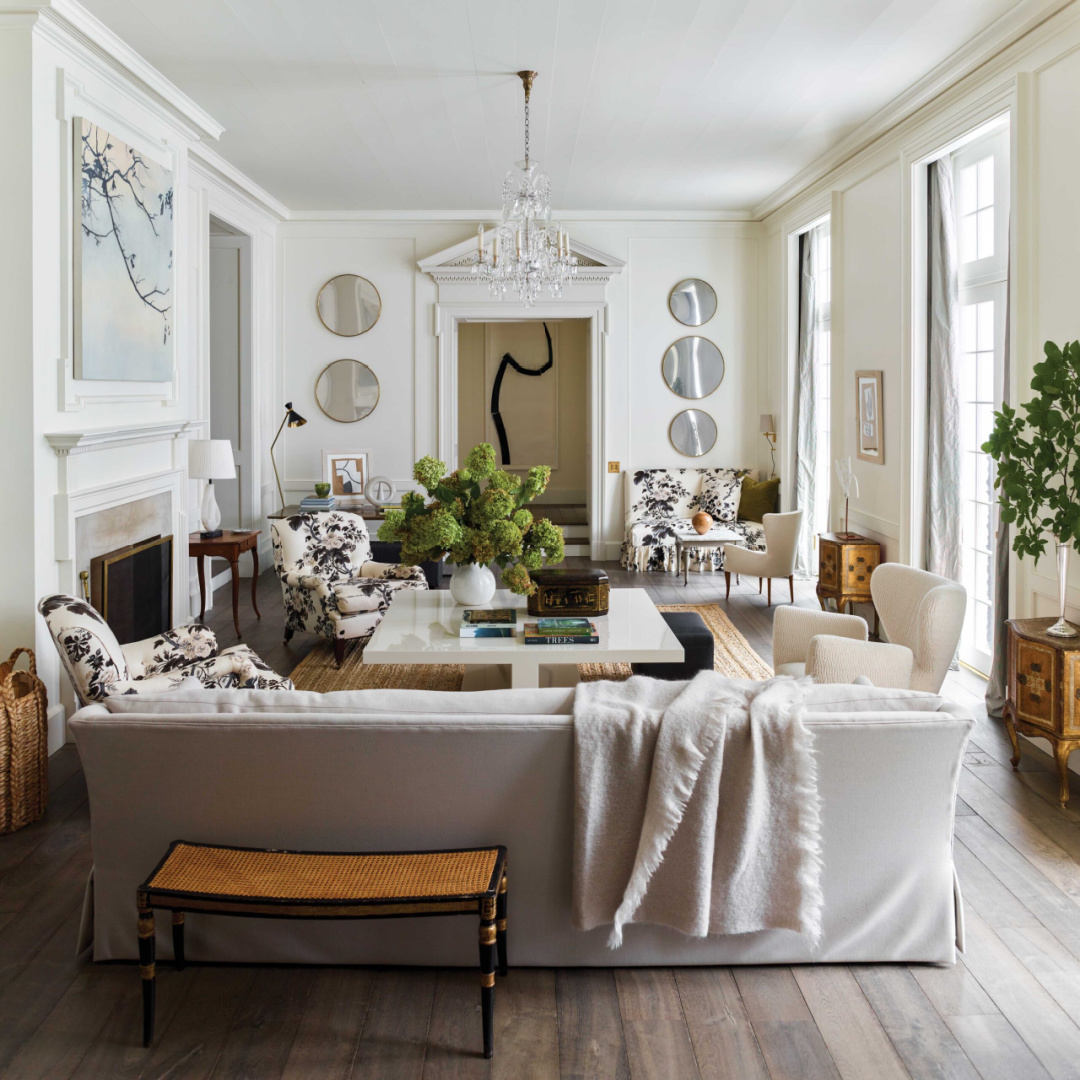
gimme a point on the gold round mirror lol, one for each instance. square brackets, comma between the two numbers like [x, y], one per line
[347, 391]
[693, 432]
[692, 302]
[348, 305]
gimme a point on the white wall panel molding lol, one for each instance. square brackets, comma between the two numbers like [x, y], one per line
[121, 115]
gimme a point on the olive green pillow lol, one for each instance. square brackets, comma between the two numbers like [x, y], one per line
[758, 498]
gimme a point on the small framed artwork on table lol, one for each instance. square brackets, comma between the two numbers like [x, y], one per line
[346, 472]
[870, 438]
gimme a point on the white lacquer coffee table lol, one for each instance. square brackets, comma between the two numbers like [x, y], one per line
[421, 627]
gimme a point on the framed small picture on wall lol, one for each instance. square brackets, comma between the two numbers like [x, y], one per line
[346, 471]
[870, 438]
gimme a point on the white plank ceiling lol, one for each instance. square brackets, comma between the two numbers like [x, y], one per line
[641, 104]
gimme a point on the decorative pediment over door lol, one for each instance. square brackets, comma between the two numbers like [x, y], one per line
[452, 271]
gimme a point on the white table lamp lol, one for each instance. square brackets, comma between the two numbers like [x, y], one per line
[210, 459]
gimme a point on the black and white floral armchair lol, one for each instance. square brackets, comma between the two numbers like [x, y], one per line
[331, 585]
[100, 667]
[660, 503]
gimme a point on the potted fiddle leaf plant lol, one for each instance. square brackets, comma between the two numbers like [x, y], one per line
[476, 516]
[1038, 465]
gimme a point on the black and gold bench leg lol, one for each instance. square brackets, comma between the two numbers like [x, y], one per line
[146, 968]
[178, 939]
[500, 925]
[487, 972]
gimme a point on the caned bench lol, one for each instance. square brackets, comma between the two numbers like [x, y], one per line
[211, 878]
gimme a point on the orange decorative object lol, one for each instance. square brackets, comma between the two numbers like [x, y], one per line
[702, 522]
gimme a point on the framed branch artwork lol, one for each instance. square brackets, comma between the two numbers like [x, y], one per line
[346, 471]
[124, 273]
[870, 438]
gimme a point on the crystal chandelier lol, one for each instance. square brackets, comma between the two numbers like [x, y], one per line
[528, 251]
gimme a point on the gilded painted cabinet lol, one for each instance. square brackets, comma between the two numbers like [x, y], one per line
[1043, 691]
[845, 566]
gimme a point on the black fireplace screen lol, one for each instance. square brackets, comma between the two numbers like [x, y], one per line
[132, 588]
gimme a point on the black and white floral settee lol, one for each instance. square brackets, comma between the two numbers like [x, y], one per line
[660, 502]
[330, 584]
[100, 667]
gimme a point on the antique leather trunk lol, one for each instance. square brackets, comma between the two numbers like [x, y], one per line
[569, 592]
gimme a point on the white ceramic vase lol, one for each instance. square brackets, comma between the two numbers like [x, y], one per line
[472, 585]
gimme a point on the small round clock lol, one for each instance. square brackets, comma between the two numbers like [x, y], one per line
[380, 491]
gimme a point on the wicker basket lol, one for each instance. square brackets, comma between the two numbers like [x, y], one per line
[24, 744]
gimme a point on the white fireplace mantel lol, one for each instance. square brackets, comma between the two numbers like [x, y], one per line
[69, 445]
[82, 442]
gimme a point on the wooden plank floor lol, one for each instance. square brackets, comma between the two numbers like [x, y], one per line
[1010, 1010]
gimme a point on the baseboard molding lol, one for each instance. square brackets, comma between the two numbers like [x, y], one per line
[56, 720]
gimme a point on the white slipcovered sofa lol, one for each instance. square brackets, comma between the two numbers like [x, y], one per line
[395, 769]
[660, 501]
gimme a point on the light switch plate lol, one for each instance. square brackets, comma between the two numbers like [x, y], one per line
[612, 466]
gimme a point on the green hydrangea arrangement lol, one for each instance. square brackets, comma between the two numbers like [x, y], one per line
[474, 522]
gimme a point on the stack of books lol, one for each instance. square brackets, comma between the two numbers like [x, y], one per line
[488, 622]
[561, 632]
[314, 505]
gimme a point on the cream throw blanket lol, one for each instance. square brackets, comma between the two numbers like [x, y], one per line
[696, 807]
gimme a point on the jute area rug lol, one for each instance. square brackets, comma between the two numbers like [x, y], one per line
[317, 671]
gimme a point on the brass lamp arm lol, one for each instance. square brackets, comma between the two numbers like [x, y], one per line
[281, 494]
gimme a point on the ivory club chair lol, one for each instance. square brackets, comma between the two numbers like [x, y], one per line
[100, 667]
[331, 585]
[778, 558]
[922, 614]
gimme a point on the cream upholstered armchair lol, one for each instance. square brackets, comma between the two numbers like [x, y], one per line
[922, 615]
[331, 585]
[100, 667]
[778, 558]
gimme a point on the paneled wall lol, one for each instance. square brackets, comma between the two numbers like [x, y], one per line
[401, 348]
[1036, 84]
[57, 64]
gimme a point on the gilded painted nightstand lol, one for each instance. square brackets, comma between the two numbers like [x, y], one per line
[1042, 695]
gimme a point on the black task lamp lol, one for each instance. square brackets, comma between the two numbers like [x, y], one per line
[293, 419]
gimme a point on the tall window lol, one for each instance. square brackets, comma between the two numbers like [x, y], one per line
[823, 375]
[981, 178]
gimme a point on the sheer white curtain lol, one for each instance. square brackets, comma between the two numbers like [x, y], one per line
[943, 460]
[995, 686]
[806, 405]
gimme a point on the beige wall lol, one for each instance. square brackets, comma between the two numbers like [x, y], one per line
[545, 416]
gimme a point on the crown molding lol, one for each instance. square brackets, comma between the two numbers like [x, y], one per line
[208, 160]
[1014, 25]
[72, 19]
[456, 217]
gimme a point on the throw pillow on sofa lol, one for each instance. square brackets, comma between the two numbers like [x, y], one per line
[721, 490]
[758, 498]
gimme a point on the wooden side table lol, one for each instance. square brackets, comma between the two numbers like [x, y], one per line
[229, 545]
[1042, 695]
[845, 565]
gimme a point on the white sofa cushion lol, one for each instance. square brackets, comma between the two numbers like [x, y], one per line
[851, 697]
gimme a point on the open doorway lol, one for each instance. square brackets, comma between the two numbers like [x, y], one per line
[231, 406]
[523, 387]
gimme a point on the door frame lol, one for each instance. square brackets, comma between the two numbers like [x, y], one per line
[244, 454]
[448, 316]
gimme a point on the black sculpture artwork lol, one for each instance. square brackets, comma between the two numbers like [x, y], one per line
[496, 388]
